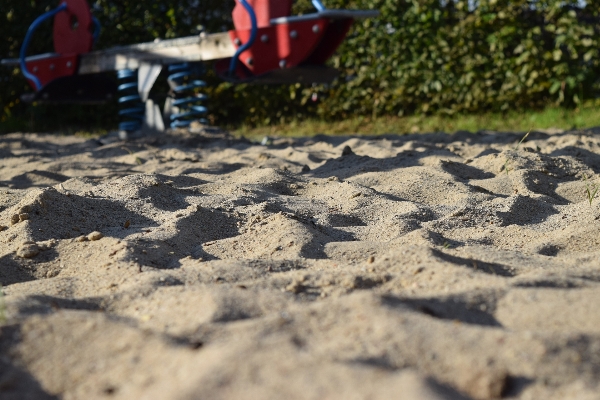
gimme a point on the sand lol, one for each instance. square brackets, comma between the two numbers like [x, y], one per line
[199, 266]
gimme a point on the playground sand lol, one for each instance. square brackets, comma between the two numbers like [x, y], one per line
[199, 266]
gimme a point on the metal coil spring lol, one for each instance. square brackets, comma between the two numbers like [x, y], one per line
[133, 108]
[184, 100]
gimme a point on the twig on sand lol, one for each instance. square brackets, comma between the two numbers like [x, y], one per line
[516, 149]
[590, 188]
[138, 160]
[522, 140]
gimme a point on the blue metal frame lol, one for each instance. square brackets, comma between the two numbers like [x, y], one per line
[247, 45]
[28, 36]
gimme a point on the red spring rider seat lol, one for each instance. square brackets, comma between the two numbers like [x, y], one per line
[281, 46]
[73, 35]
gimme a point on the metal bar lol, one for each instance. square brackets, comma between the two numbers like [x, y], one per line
[318, 5]
[331, 14]
[193, 48]
[15, 62]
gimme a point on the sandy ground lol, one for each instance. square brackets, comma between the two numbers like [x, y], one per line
[202, 267]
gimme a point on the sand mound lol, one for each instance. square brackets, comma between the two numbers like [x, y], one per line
[198, 266]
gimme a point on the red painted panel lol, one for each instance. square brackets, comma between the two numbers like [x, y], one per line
[265, 10]
[73, 28]
[291, 43]
[333, 37]
[48, 69]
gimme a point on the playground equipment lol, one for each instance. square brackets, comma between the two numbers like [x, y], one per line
[268, 46]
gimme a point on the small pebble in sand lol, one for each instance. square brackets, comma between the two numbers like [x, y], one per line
[347, 151]
[23, 217]
[371, 260]
[28, 250]
[51, 273]
[296, 287]
[95, 236]
[47, 245]
[305, 168]
[3, 228]
[487, 383]
[127, 224]
[81, 239]
[14, 219]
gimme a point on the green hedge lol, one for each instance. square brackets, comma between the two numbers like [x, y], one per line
[502, 55]
[420, 56]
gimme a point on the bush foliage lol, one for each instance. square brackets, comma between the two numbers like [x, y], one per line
[420, 56]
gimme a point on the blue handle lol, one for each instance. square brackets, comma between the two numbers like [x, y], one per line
[247, 45]
[318, 5]
[97, 28]
[25, 45]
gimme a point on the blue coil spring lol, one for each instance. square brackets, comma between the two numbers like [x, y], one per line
[132, 107]
[185, 99]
